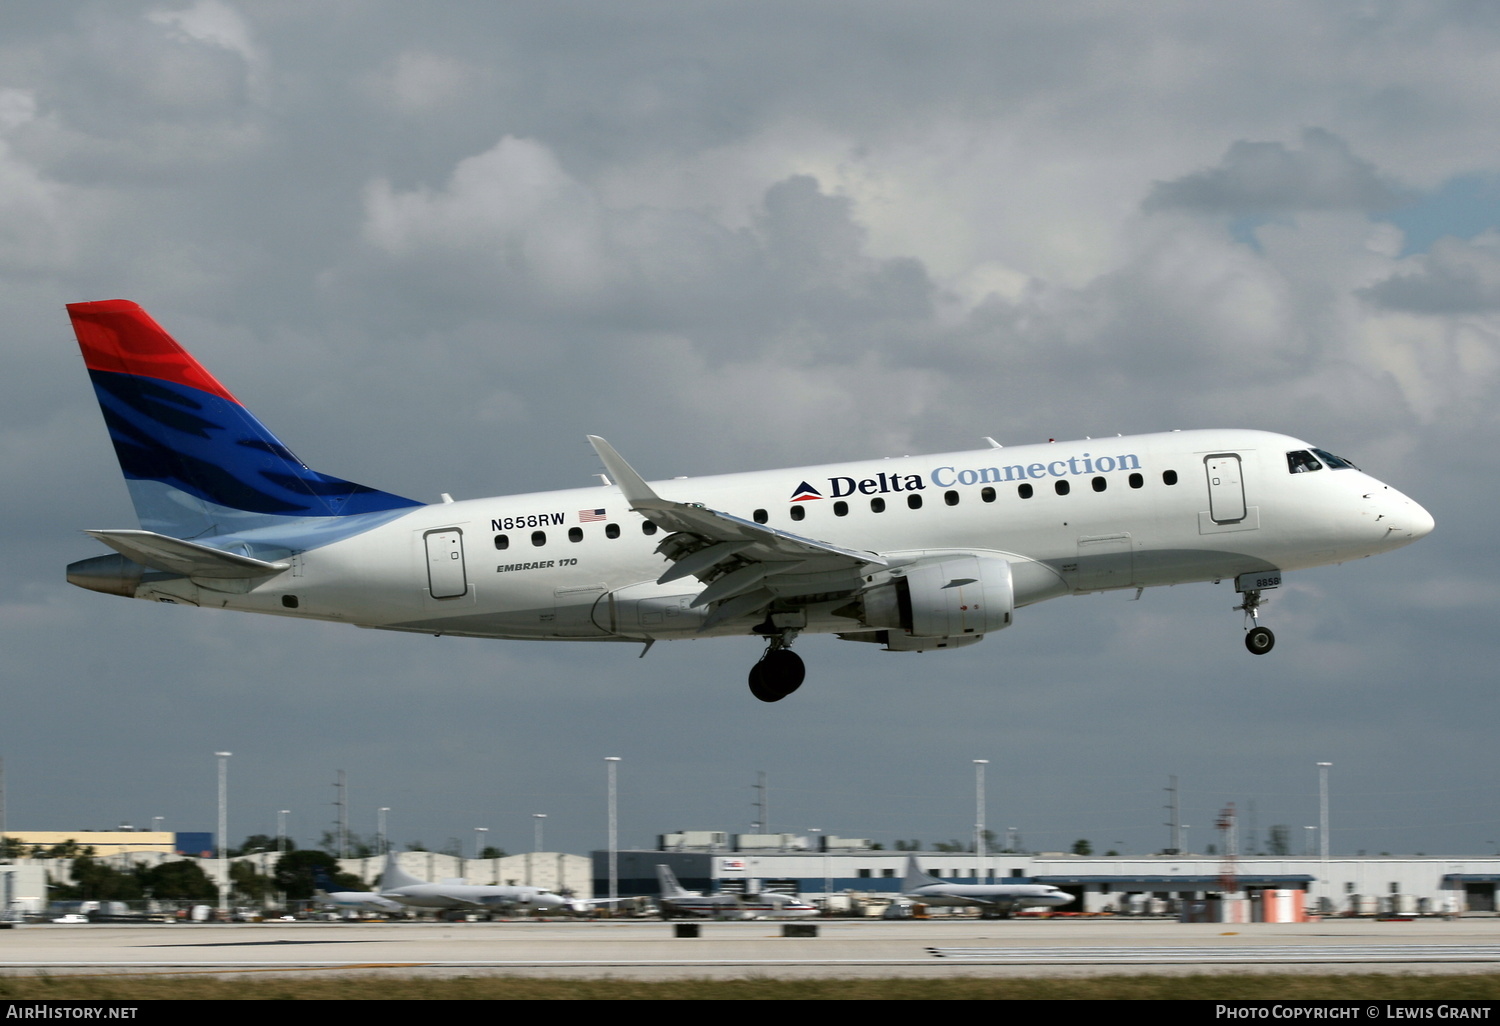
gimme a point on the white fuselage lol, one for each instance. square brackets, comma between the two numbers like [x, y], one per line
[1003, 896]
[735, 906]
[581, 565]
[473, 896]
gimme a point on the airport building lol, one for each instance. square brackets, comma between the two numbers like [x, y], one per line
[112, 842]
[1153, 883]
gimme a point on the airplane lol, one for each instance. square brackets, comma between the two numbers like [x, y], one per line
[353, 901]
[675, 901]
[914, 554]
[996, 900]
[401, 887]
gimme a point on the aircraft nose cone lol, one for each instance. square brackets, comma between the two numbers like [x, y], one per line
[1421, 522]
[1409, 520]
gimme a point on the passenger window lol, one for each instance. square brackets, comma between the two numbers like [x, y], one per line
[1062, 488]
[539, 537]
[1169, 477]
[841, 508]
[914, 501]
[987, 494]
[648, 528]
[951, 498]
[1025, 491]
[575, 534]
[761, 516]
[1136, 480]
[1100, 484]
[502, 541]
[1302, 462]
[798, 512]
[611, 530]
[877, 505]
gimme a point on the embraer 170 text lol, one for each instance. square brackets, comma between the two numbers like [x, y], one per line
[914, 554]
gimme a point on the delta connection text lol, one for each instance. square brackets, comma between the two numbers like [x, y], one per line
[947, 477]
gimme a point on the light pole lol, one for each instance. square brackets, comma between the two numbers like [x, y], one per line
[611, 761]
[1307, 840]
[281, 815]
[223, 830]
[381, 845]
[479, 833]
[536, 836]
[979, 765]
[1323, 822]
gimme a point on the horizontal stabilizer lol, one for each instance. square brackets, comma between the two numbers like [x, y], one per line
[176, 556]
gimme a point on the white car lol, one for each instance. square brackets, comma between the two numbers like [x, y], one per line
[71, 917]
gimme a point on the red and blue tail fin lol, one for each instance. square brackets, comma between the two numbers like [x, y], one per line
[196, 461]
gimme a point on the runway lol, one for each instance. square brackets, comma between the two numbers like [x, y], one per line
[843, 949]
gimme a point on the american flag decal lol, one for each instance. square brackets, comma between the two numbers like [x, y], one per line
[589, 516]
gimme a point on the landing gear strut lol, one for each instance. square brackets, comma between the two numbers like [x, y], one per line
[779, 672]
[1259, 640]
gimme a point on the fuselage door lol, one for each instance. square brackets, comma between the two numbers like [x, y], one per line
[445, 563]
[1226, 488]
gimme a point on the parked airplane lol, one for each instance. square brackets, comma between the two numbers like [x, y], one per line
[400, 886]
[353, 901]
[915, 554]
[676, 901]
[994, 899]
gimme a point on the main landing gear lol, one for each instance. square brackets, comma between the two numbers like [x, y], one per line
[779, 672]
[1259, 640]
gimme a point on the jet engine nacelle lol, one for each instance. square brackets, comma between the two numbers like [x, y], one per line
[957, 597]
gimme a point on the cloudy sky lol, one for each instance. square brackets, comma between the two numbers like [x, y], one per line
[434, 245]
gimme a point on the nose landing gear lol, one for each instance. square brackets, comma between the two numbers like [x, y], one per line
[1259, 640]
[779, 672]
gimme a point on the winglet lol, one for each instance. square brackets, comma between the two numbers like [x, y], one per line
[637, 491]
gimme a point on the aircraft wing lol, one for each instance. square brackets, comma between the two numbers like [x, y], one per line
[745, 565]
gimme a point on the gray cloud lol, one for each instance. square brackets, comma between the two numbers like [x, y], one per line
[1455, 277]
[1260, 178]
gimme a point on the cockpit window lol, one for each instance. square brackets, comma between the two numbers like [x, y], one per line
[1334, 462]
[1302, 462]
